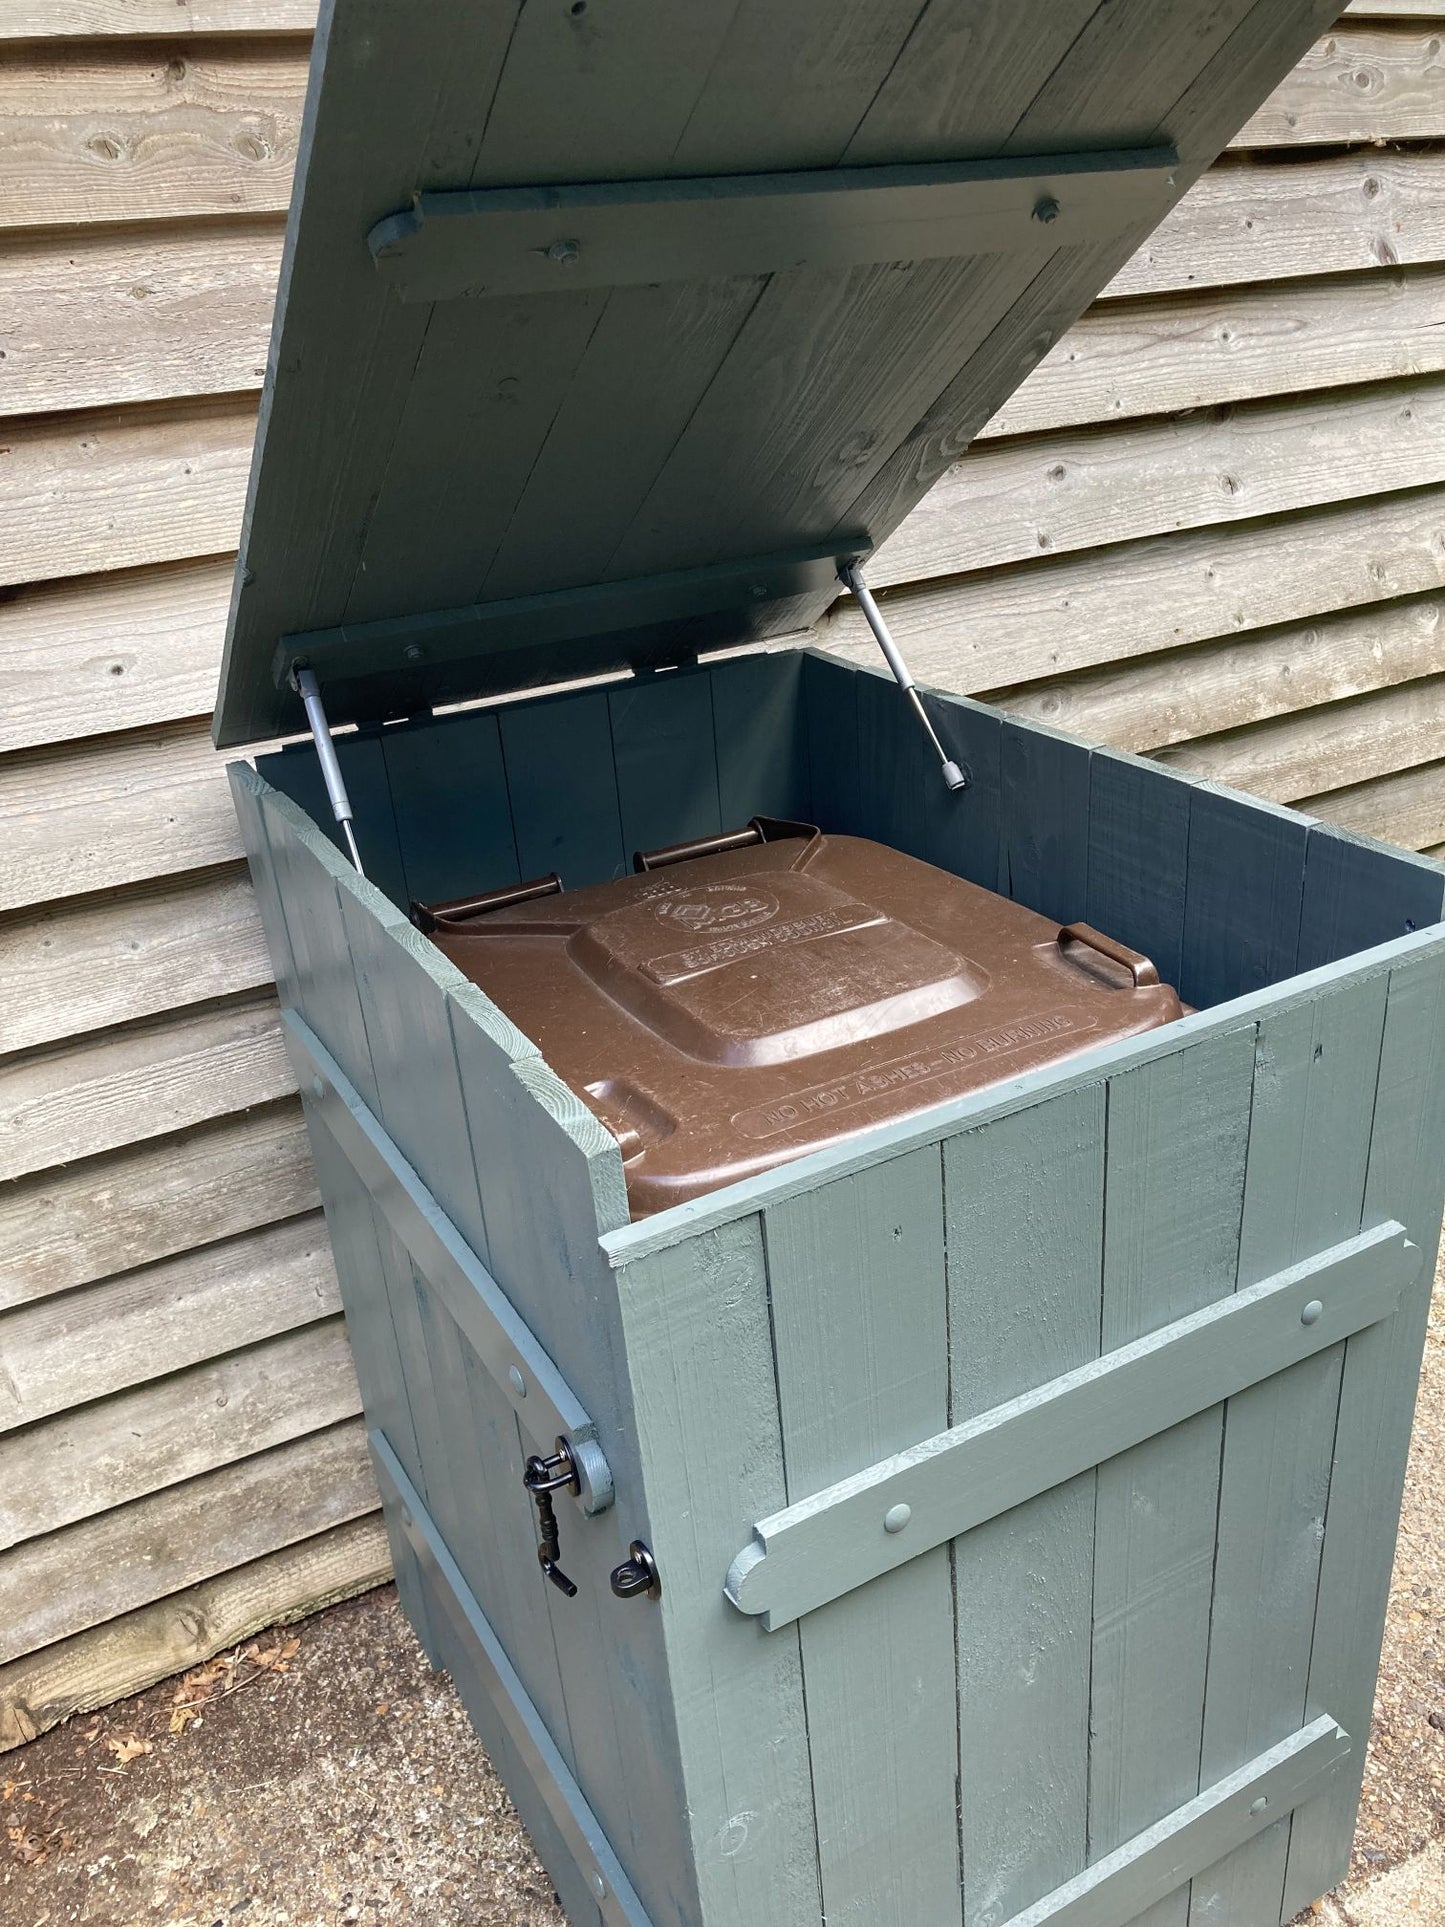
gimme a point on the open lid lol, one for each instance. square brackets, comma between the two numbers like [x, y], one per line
[609, 328]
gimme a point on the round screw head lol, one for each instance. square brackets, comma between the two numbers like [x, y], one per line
[516, 1381]
[1259, 1805]
[1312, 1312]
[897, 1517]
[564, 252]
[318, 1089]
[413, 652]
[1046, 209]
[599, 1886]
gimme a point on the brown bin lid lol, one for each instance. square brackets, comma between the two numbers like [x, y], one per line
[607, 328]
[728, 1013]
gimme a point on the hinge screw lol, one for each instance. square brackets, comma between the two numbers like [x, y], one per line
[1046, 210]
[564, 252]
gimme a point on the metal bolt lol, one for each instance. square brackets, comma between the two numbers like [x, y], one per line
[1259, 1805]
[1046, 209]
[599, 1886]
[897, 1517]
[1311, 1312]
[413, 652]
[564, 251]
[318, 1089]
[516, 1381]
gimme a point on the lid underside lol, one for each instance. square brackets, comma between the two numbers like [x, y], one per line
[609, 328]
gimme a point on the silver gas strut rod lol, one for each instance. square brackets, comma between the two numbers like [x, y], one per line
[852, 576]
[309, 691]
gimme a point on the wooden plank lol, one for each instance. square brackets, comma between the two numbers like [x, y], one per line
[830, 703]
[1360, 83]
[1377, 1402]
[987, 631]
[1173, 697]
[1044, 817]
[1310, 215]
[1198, 350]
[1407, 809]
[147, 484]
[448, 790]
[1306, 754]
[700, 1350]
[1355, 896]
[295, 771]
[110, 1662]
[665, 750]
[1243, 891]
[1177, 1133]
[1013, 501]
[1314, 1086]
[133, 133]
[1138, 858]
[107, 653]
[1024, 1202]
[109, 960]
[102, 1567]
[104, 815]
[862, 1376]
[759, 725]
[80, 1100]
[1398, 9]
[82, 1463]
[94, 319]
[92, 19]
[110, 1214]
[124, 1331]
[575, 827]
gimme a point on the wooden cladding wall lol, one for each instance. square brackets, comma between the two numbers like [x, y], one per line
[1210, 527]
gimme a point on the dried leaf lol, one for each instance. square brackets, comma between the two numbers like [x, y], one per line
[127, 1747]
[181, 1718]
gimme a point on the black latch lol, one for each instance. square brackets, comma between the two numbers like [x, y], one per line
[637, 1577]
[542, 1478]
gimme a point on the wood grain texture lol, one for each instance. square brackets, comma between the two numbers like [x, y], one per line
[860, 1376]
[132, 19]
[103, 1338]
[99, 816]
[1220, 686]
[148, 484]
[1360, 83]
[82, 1463]
[79, 1100]
[1198, 350]
[1014, 501]
[1025, 1211]
[148, 1201]
[100, 1568]
[700, 1347]
[133, 1652]
[134, 133]
[977, 633]
[98, 654]
[94, 319]
[1408, 809]
[72, 968]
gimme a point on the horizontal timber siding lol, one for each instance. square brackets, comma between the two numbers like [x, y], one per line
[1211, 527]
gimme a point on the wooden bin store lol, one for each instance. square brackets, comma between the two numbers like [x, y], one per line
[1010, 1493]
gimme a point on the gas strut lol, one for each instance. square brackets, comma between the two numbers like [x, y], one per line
[852, 576]
[309, 692]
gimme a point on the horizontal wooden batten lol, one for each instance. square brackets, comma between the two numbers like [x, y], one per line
[104, 1093]
[825, 1546]
[1158, 355]
[151, 484]
[82, 1463]
[103, 961]
[126, 132]
[1217, 686]
[1359, 83]
[1407, 808]
[1050, 618]
[105, 1338]
[1014, 501]
[99, 816]
[1302, 755]
[133, 1652]
[543, 240]
[112, 1213]
[53, 1587]
[134, 19]
[1157, 1862]
[93, 320]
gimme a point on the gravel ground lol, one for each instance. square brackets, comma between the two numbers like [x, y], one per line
[323, 1775]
